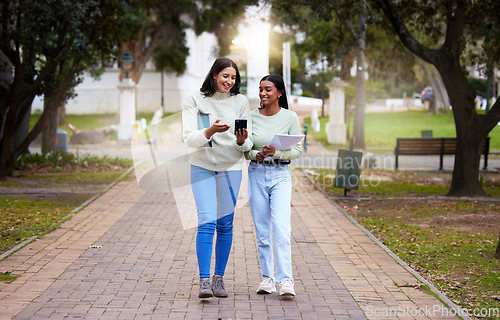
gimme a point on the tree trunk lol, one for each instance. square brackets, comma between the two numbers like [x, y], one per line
[22, 131]
[465, 179]
[392, 83]
[49, 133]
[359, 113]
[6, 155]
[62, 116]
[441, 100]
[470, 134]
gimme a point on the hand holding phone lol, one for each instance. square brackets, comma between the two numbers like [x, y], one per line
[240, 124]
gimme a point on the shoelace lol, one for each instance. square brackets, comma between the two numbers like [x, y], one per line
[219, 282]
[205, 284]
[287, 282]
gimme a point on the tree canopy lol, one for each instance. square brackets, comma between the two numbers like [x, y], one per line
[460, 35]
[457, 37]
[163, 38]
[45, 46]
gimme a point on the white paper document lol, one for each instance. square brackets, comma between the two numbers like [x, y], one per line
[285, 141]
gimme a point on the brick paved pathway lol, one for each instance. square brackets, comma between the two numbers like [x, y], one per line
[126, 256]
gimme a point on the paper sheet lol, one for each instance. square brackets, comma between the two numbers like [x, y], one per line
[285, 141]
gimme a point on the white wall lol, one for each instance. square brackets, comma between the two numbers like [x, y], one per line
[102, 95]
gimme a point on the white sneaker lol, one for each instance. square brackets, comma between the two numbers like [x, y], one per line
[266, 286]
[286, 288]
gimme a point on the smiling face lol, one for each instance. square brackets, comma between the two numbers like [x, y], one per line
[225, 79]
[268, 93]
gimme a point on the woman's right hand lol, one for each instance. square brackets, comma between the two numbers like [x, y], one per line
[214, 128]
[260, 156]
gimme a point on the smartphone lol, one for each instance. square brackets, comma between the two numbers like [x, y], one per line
[240, 124]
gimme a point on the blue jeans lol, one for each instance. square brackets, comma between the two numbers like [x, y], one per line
[270, 204]
[215, 194]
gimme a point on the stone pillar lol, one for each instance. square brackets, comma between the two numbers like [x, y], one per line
[335, 127]
[127, 109]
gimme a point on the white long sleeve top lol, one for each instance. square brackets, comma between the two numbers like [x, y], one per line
[225, 154]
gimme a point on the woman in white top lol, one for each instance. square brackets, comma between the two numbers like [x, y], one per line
[271, 186]
[216, 158]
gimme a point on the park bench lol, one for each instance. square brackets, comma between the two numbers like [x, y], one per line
[433, 146]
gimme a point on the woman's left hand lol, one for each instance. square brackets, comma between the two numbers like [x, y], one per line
[241, 136]
[269, 151]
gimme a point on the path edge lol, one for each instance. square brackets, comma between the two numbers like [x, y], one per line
[7, 253]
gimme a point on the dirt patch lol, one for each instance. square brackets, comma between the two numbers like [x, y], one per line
[48, 184]
[453, 214]
[451, 242]
[475, 216]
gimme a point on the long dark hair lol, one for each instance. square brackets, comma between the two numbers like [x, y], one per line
[209, 87]
[278, 82]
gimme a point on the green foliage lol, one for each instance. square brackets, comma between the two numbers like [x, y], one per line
[7, 277]
[57, 159]
[307, 93]
[47, 46]
[78, 178]
[172, 58]
[480, 85]
[375, 90]
[328, 30]
[164, 34]
[427, 22]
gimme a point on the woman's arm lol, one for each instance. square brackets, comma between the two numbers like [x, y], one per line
[296, 150]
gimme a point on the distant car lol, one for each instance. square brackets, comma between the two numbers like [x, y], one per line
[427, 96]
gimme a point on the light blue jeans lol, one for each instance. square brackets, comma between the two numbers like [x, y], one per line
[270, 204]
[215, 194]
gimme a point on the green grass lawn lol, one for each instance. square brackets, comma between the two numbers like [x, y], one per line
[22, 218]
[100, 121]
[382, 129]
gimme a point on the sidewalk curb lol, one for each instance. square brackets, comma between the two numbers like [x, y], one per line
[459, 311]
[66, 217]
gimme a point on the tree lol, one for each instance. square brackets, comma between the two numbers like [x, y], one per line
[462, 34]
[340, 32]
[45, 47]
[163, 38]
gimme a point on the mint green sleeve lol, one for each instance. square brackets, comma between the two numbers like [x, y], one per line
[296, 150]
[251, 155]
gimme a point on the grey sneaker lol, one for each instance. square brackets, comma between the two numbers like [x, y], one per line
[205, 289]
[218, 287]
[266, 286]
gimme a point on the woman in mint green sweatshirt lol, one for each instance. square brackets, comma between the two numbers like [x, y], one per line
[216, 158]
[271, 186]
